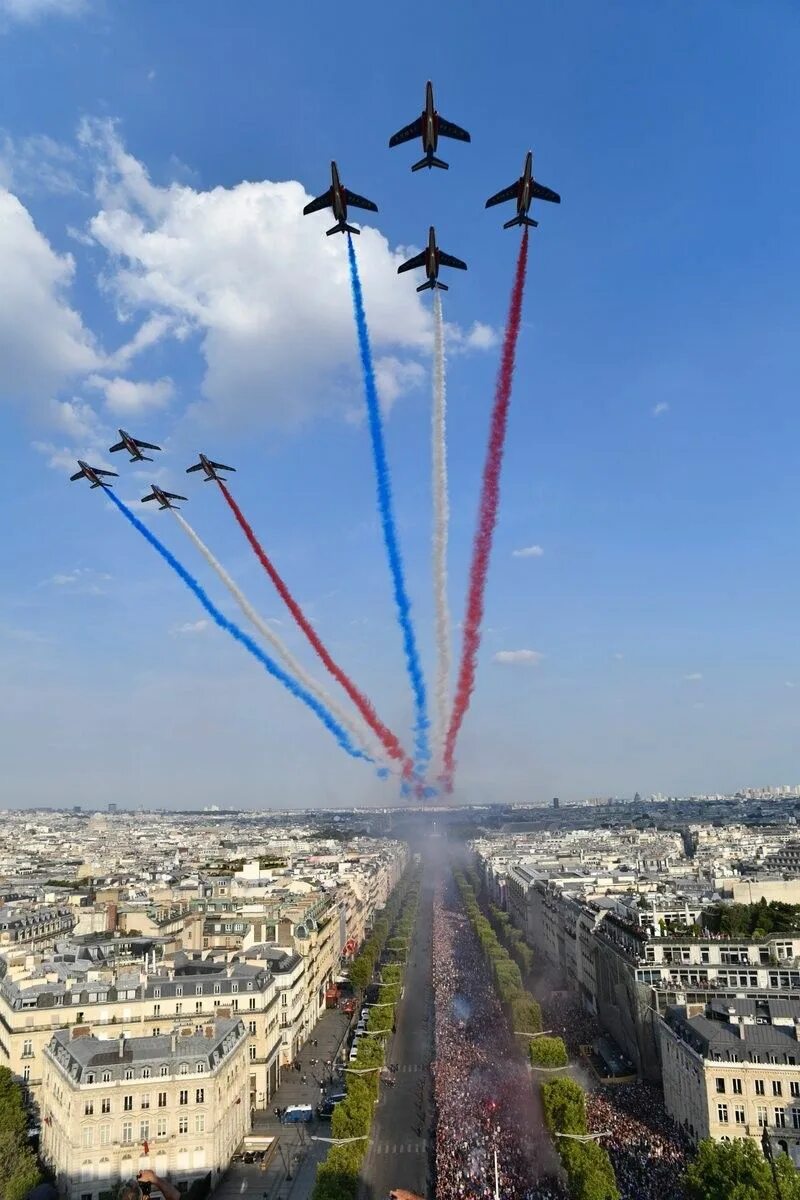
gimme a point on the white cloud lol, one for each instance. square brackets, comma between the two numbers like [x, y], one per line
[789, 684]
[659, 409]
[619, 657]
[82, 581]
[189, 628]
[38, 165]
[693, 677]
[43, 341]
[267, 292]
[34, 10]
[528, 552]
[127, 397]
[477, 337]
[149, 333]
[522, 658]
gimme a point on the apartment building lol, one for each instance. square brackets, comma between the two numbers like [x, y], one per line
[732, 1070]
[33, 927]
[176, 1104]
[110, 1001]
[288, 970]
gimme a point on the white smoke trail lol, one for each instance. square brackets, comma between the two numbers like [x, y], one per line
[354, 727]
[441, 518]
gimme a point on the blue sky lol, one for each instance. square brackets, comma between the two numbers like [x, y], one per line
[651, 442]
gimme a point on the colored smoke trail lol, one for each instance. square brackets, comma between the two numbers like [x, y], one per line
[487, 515]
[239, 635]
[441, 518]
[269, 635]
[389, 740]
[383, 484]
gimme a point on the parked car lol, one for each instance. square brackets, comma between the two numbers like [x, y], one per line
[297, 1112]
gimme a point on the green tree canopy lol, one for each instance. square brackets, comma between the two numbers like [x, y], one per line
[738, 1171]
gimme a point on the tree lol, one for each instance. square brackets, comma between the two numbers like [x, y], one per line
[19, 1170]
[738, 1171]
[548, 1052]
[564, 1106]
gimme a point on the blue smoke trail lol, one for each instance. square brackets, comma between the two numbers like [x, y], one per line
[230, 627]
[422, 752]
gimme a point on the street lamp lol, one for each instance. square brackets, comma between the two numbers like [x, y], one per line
[524, 1033]
[341, 1141]
[584, 1137]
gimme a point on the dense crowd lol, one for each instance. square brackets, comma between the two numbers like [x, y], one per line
[647, 1150]
[482, 1088]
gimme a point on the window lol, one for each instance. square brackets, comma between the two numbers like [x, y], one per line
[759, 1086]
[234, 987]
[178, 1009]
[780, 1118]
[252, 1005]
[27, 1048]
[146, 1100]
[761, 1116]
[105, 1104]
[127, 1103]
[162, 1099]
[184, 1069]
[26, 1073]
[86, 1137]
[105, 1135]
[179, 990]
[106, 1077]
[216, 989]
[183, 1124]
[145, 1072]
[200, 1068]
[199, 1122]
[777, 1087]
[129, 1074]
[164, 1070]
[796, 1118]
[88, 1108]
[251, 1025]
[284, 999]
[198, 991]
[183, 1097]
[199, 1096]
[144, 1131]
[161, 1127]
[737, 1087]
[720, 1086]
[157, 993]
[794, 1088]
[722, 1114]
[156, 1010]
[253, 1054]
[738, 1114]
[127, 1132]
[198, 1006]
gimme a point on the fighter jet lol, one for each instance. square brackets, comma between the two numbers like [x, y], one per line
[92, 474]
[210, 469]
[133, 446]
[524, 191]
[430, 127]
[338, 197]
[431, 259]
[164, 498]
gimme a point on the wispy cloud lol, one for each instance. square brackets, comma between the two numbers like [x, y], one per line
[83, 581]
[190, 628]
[693, 677]
[518, 658]
[659, 409]
[528, 552]
[789, 684]
[619, 657]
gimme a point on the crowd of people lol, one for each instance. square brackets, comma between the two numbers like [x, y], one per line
[647, 1150]
[482, 1090]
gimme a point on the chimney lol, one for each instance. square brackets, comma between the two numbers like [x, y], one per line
[173, 1041]
[121, 1045]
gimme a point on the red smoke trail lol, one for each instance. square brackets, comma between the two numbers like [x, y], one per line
[387, 738]
[487, 517]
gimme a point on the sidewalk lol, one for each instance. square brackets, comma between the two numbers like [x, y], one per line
[294, 1149]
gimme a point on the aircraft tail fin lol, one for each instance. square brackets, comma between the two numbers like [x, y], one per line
[523, 220]
[430, 161]
[144, 458]
[431, 284]
[344, 228]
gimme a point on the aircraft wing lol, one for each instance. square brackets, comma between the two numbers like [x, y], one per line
[323, 201]
[78, 475]
[544, 193]
[175, 496]
[219, 467]
[448, 129]
[353, 200]
[509, 193]
[417, 261]
[97, 471]
[448, 260]
[152, 496]
[407, 134]
[196, 467]
[145, 445]
[121, 446]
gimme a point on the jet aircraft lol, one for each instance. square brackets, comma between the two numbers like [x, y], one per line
[209, 468]
[92, 474]
[133, 446]
[431, 259]
[337, 198]
[164, 498]
[524, 191]
[430, 127]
